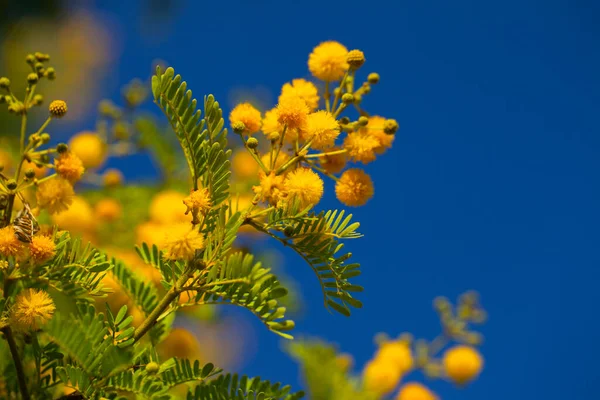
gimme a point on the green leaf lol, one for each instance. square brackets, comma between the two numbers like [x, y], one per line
[233, 387]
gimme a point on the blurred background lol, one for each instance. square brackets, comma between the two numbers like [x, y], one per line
[491, 184]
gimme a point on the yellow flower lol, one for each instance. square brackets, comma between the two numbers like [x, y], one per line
[281, 159]
[167, 207]
[397, 353]
[42, 248]
[292, 112]
[303, 89]
[181, 241]
[32, 309]
[247, 114]
[69, 166]
[151, 233]
[39, 172]
[180, 343]
[89, 148]
[335, 163]
[55, 195]
[305, 185]
[270, 123]
[78, 218]
[354, 188]
[198, 201]
[243, 165]
[5, 160]
[58, 108]
[381, 377]
[415, 391]
[375, 129]
[108, 210]
[112, 177]
[355, 58]
[361, 147]
[462, 364]
[328, 61]
[270, 188]
[9, 244]
[322, 128]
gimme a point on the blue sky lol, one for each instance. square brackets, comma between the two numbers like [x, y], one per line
[491, 184]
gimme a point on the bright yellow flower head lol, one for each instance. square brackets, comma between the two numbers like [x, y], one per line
[381, 377]
[78, 218]
[180, 343]
[322, 128]
[270, 188]
[112, 177]
[69, 166]
[328, 61]
[151, 233]
[167, 207]
[198, 201]
[361, 147]
[304, 89]
[335, 163]
[304, 184]
[58, 108]
[108, 210]
[181, 241]
[397, 353]
[462, 364]
[32, 309]
[55, 195]
[415, 391]
[375, 129]
[281, 159]
[354, 188]
[246, 113]
[42, 248]
[9, 244]
[270, 122]
[89, 148]
[243, 165]
[292, 112]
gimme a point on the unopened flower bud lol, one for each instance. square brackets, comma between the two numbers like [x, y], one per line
[50, 73]
[11, 184]
[344, 120]
[4, 82]
[337, 91]
[347, 98]
[29, 173]
[62, 148]
[30, 59]
[16, 108]
[152, 367]
[32, 78]
[363, 121]
[38, 99]
[357, 98]
[252, 143]
[57, 108]
[390, 126]
[45, 138]
[355, 59]
[238, 127]
[39, 66]
[41, 56]
[373, 78]
[288, 231]
[274, 136]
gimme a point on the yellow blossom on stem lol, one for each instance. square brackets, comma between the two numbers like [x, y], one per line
[108, 210]
[398, 353]
[112, 177]
[462, 364]
[304, 184]
[361, 147]
[328, 61]
[198, 202]
[322, 128]
[180, 343]
[69, 166]
[79, 217]
[9, 244]
[270, 123]
[181, 241]
[55, 195]
[243, 165]
[292, 112]
[32, 310]
[168, 207]
[375, 129]
[381, 377]
[89, 147]
[303, 89]
[333, 163]
[58, 108]
[354, 188]
[248, 115]
[42, 248]
[270, 188]
[415, 391]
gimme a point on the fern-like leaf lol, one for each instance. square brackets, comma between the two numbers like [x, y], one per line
[176, 371]
[233, 387]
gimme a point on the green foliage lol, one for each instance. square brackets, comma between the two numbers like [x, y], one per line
[232, 387]
[177, 371]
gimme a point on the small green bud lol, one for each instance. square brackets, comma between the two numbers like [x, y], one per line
[62, 148]
[337, 91]
[441, 304]
[238, 127]
[121, 131]
[366, 88]
[29, 173]
[474, 338]
[363, 121]
[44, 159]
[152, 367]
[45, 138]
[42, 57]
[344, 120]
[288, 231]
[347, 98]
[4, 82]
[373, 78]
[390, 126]
[11, 184]
[252, 143]
[16, 108]
[274, 136]
[38, 99]
[50, 73]
[32, 78]
[30, 59]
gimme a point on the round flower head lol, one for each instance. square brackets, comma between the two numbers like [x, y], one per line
[151, 233]
[462, 364]
[415, 391]
[270, 123]
[381, 377]
[198, 201]
[181, 241]
[79, 217]
[58, 108]
[354, 188]
[281, 159]
[361, 147]
[168, 207]
[69, 166]
[328, 61]
[108, 210]
[303, 89]
[334, 163]
[32, 310]
[90, 149]
[398, 353]
[9, 244]
[42, 248]
[355, 59]
[248, 115]
[292, 112]
[112, 177]
[304, 184]
[270, 188]
[322, 128]
[375, 129]
[243, 165]
[180, 343]
[55, 195]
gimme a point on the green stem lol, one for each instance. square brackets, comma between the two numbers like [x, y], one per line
[8, 210]
[331, 153]
[321, 170]
[14, 351]
[327, 97]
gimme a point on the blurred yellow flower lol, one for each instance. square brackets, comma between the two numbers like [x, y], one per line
[181, 241]
[9, 244]
[415, 391]
[462, 364]
[303, 89]
[42, 248]
[397, 353]
[168, 207]
[181, 344]
[112, 177]
[78, 218]
[55, 195]
[304, 184]
[69, 166]
[381, 377]
[328, 61]
[248, 115]
[151, 233]
[281, 159]
[243, 165]
[354, 188]
[108, 210]
[89, 148]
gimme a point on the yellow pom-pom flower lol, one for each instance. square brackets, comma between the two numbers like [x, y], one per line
[398, 353]
[322, 128]
[112, 177]
[90, 149]
[248, 115]
[361, 147]
[168, 207]
[69, 166]
[328, 61]
[333, 163]
[381, 377]
[108, 210]
[58, 108]
[198, 201]
[354, 188]
[32, 310]
[415, 391]
[55, 195]
[375, 129]
[292, 112]
[243, 165]
[9, 244]
[42, 248]
[78, 218]
[151, 233]
[270, 188]
[181, 241]
[462, 364]
[180, 343]
[304, 184]
[303, 89]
